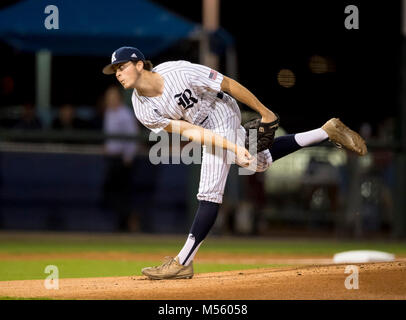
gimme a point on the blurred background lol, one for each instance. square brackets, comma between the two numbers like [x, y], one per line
[64, 165]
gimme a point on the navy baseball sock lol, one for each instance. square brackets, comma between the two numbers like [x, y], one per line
[285, 145]
[204, 220]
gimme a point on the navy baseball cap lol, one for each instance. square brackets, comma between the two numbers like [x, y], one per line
[121, 55]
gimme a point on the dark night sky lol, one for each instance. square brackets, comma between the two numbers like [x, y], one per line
[269, 36]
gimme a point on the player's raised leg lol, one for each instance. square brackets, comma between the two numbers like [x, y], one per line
[333, 130]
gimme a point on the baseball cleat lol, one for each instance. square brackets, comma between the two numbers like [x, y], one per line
[342, 136]
[170, 269]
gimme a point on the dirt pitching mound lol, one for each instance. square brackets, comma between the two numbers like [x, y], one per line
[375, 281]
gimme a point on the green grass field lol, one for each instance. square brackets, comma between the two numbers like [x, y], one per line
[60, 243]
[21, 244]
[84, 268]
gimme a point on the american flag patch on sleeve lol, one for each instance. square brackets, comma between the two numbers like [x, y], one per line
[213, 75]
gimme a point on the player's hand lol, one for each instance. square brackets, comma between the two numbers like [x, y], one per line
[243, 157]
[268, 117]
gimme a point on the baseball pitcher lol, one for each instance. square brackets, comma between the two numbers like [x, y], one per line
[199, 103]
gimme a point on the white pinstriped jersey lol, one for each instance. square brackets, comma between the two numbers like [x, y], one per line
[190, 92]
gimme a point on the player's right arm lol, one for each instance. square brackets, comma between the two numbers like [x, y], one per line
[209, 138]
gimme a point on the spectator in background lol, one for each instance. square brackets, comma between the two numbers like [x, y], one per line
[66, 119]
[29, 119]
[118, 184]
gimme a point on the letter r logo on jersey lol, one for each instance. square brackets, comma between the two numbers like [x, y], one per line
[185, 99]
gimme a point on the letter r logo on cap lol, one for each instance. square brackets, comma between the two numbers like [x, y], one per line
[113, 57]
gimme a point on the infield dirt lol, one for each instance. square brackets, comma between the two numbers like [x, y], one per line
[311, 278]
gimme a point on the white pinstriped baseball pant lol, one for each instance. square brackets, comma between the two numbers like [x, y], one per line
[225, 120]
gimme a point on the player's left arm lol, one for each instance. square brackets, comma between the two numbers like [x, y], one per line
[245, 96]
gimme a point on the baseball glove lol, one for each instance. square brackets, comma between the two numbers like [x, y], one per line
[265, 134]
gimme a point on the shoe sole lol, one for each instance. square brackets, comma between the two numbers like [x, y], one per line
[169, 278]
[345, 137]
